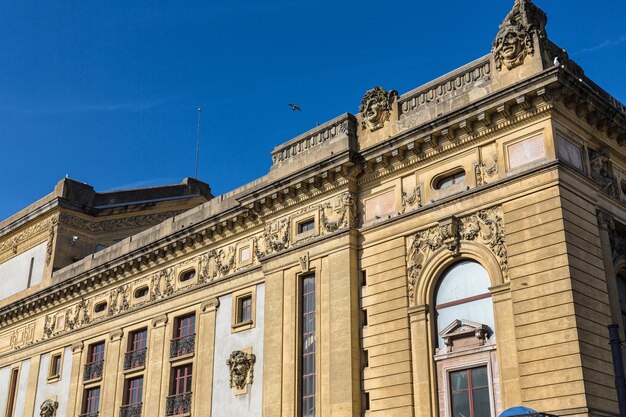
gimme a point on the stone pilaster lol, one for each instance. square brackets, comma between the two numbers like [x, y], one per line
[606, 226]
[31, 392]
[511, 393]
[154, 404]
[111, 369]
[73, 401]
[206, 351]
[421, 354]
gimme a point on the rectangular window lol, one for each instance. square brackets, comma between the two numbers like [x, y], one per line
[179, 401]
[306, 226]
[134, 391]
[182, 380]
[92, 402]
[55, 366]
[307, 364]
[184, 340]
[12, 392]
[95, 362]
[96, 352]
[137, 340]
[185, 326]
[470, 392]
[245, 309]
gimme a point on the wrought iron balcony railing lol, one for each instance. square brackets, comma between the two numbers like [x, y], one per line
[131, 410]
[135, 359]
[93, 370]
[89, 414]
[178, 404]
[182, 346]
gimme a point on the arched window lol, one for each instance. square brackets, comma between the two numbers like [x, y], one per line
[465, 354]
[463, 294]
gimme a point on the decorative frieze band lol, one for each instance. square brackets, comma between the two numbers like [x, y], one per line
[11, 244]
[334, 214]
[144, 220]
[485, 227]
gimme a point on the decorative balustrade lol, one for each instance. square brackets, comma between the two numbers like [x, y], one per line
[93, 370]
[135, 359]
[182, 346]
[178, 404]
[131, 410]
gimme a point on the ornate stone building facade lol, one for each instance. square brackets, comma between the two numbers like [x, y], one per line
[456, 250]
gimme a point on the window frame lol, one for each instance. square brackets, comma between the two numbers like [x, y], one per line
[448, 370]
[130, 391]
[54, 377]
[180, 328]
[87, 400]
[238, 324]
[14, 382]
[175, 378]
[300, 340]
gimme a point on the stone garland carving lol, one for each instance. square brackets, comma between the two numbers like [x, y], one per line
[616, 239]
[13, 243]
[49, 325]
[601, 172]
[50, 244]
[162, 284]
[376, 107]
[241, 367]
[339, 214]
[484, 172]
[275, 238]
[117, 224]
[224, 261]
[413, 201]
[48, 408]
[485, 226]
[514, 41]
[118, 299]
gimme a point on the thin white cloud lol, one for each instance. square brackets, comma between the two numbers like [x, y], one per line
[154, 182]
[609, 43]
[65, 108]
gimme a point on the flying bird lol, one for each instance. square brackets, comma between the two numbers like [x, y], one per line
[295, 107]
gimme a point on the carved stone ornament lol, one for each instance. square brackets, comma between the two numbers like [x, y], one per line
[275, 238]
[13, 243]
[485, 227]
[376, 107]
[463, 329]
[601, 172]
[412, 201]
[241, 367]
[49, 408]
[339, 214]
[484, 172]
[616, 239]
[305, 262]
[514, 41]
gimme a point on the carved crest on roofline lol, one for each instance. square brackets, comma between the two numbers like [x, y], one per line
[376, 107]
[515, 39]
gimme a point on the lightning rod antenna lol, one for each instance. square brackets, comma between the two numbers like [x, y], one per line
[198, 141]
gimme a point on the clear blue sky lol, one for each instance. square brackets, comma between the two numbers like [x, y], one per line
[107, 91]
